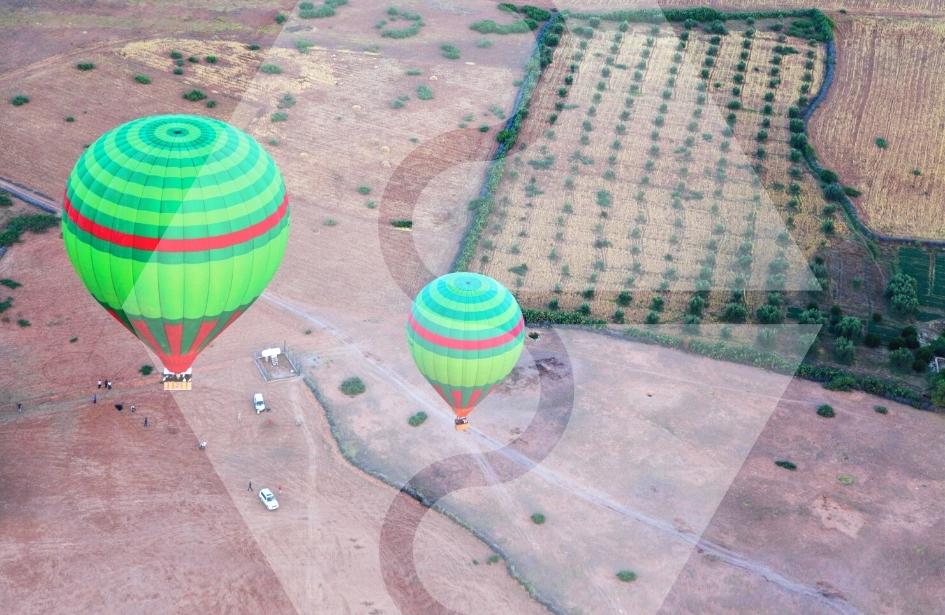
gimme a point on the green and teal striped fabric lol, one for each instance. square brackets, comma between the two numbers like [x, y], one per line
[465, 332]
[176, 224]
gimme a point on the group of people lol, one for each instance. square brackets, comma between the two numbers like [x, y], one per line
[119, 407]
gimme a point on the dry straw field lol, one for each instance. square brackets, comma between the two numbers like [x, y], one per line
[658, 158]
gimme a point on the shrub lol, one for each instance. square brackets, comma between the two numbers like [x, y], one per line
[424, 92]
[352, 386]
[19, 100]
[901, 359]
[844, 350]
[881, 143]
[279, 116]
[146, 370]
[734, 313]
[901, 291]
[402, 223]
[176, 55]
[416, 420]
[364, 190]
[194, 95]
[826, 411]
[538, 518]
[85, 66]
[5, 199]
[787, 465]
[11, 284]
[270, 69]
[34, 223]
[450, 51]
[142, 79]
[211, 59]
[22, 322]
[178, 71]
[881, 409]
[627, 576]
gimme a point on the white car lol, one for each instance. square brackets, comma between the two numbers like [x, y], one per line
[268, 500]
[258, 403]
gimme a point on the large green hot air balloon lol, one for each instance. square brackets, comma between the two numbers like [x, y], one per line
[176, 224]
[465, 332]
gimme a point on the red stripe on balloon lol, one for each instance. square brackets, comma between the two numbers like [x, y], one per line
[159, 244]
[457, 344]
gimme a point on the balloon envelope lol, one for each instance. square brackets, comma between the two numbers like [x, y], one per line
[465, 332]
[175, 224]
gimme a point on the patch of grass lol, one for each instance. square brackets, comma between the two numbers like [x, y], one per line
[194, 95]
[424, 92]
[145, 370]
[365, 190]
[142, 79]
[627, 576]
[416, 420]
[537, 518]
[352, 386]
[10, 283]
[450, 51]
[85, 66]
[787, 465]
[270, 69]
[402, 223]
[826, 411]
[303, 45]
[22, 322]
[19, 100]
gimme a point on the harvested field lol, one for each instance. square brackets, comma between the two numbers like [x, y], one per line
[889, 83]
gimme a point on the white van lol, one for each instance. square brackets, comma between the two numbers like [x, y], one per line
[258, 403]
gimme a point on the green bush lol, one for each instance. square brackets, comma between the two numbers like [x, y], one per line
[281, 18]
[279, 116]
[270, 69]
[538, 518]
[176, 55]
[194, 95]
[881, 409]
[19, 100]
[902, 293]
[450, 51]
[787, 465]
[416, 420]
[826, 411]
[85, 66]
[881, 143]
[211, 59]
[424, 92]
[11, 284]
[22, 322]
[352, 386]
[6, 200]
[35, 223]
[627, 576]
[364, 190]
[402, 223]
[143, 79]
[146, 370]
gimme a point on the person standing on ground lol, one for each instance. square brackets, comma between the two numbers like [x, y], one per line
[145, 421]
[99, 384]
[19, 407]
[250, 488]
[108, 384]
[133, 407]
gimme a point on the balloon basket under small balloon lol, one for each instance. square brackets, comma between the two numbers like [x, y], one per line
[177, 382]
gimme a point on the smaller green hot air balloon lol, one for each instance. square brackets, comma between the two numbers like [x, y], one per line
[465, 332]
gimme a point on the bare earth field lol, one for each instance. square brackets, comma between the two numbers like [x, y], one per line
[107, 516]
